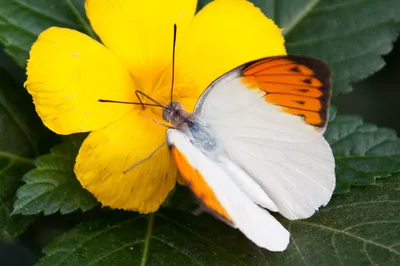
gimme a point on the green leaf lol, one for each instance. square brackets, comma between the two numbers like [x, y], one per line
[361, 228]
[363, 152]
[19, 137]
[181, 198]
[17, 73]
[350, 35]
[52, 185]
[21, 21]
[163, 238]
[18, 144]
[12, 226]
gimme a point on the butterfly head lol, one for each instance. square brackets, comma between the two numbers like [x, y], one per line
[176, 115]
[171, 111]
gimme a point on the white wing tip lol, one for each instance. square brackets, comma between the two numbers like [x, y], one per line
[280, 241]
[266, 232]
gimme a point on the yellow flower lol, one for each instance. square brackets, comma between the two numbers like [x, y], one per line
[68, 72]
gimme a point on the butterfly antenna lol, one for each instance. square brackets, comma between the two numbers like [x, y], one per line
[173, 62]
[133, 103]
[148, 97]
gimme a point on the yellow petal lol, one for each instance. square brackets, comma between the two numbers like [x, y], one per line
[107, 152]
[68, 72]
[140, 32]
[222, 36]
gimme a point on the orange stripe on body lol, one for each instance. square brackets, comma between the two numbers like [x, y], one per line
[198, 185]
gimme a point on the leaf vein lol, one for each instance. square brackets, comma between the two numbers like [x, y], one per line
[367, 254]
[20, 125]
[356, 204]
[33, 35]
[327, 228]
[337, 6]
[296, 246]
[368, 223]
[97, 234]
[8, 166]
[195, 234]
[175, 248]
[295, 21]
[335, 248]
[82, 20]
[115, 250]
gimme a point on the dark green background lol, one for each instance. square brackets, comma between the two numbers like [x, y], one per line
[377, 98]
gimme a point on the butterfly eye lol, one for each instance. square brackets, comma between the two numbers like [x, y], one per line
[167, 113]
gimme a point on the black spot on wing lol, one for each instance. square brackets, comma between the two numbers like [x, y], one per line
[295, 69]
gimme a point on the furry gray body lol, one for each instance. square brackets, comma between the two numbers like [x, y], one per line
[192, 127]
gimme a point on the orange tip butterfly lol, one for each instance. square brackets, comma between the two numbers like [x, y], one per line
[254, 142]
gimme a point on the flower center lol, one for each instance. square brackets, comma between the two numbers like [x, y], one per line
[160, 91]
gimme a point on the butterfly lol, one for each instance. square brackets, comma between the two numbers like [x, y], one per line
[254, 141]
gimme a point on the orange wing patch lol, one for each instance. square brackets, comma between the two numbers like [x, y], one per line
[198, 186]
[294, 101]
[300, 85]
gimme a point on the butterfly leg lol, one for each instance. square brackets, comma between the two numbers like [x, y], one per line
[145, 158]
[157, 122]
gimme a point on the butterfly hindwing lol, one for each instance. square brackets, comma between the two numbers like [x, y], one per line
[212, 185]
[195, 181]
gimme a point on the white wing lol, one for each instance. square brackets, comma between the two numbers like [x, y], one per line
[204, 175]
[284, 153]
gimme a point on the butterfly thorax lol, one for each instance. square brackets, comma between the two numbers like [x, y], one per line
[192, 126]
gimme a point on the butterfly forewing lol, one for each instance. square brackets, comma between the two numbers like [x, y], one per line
[300, 85]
